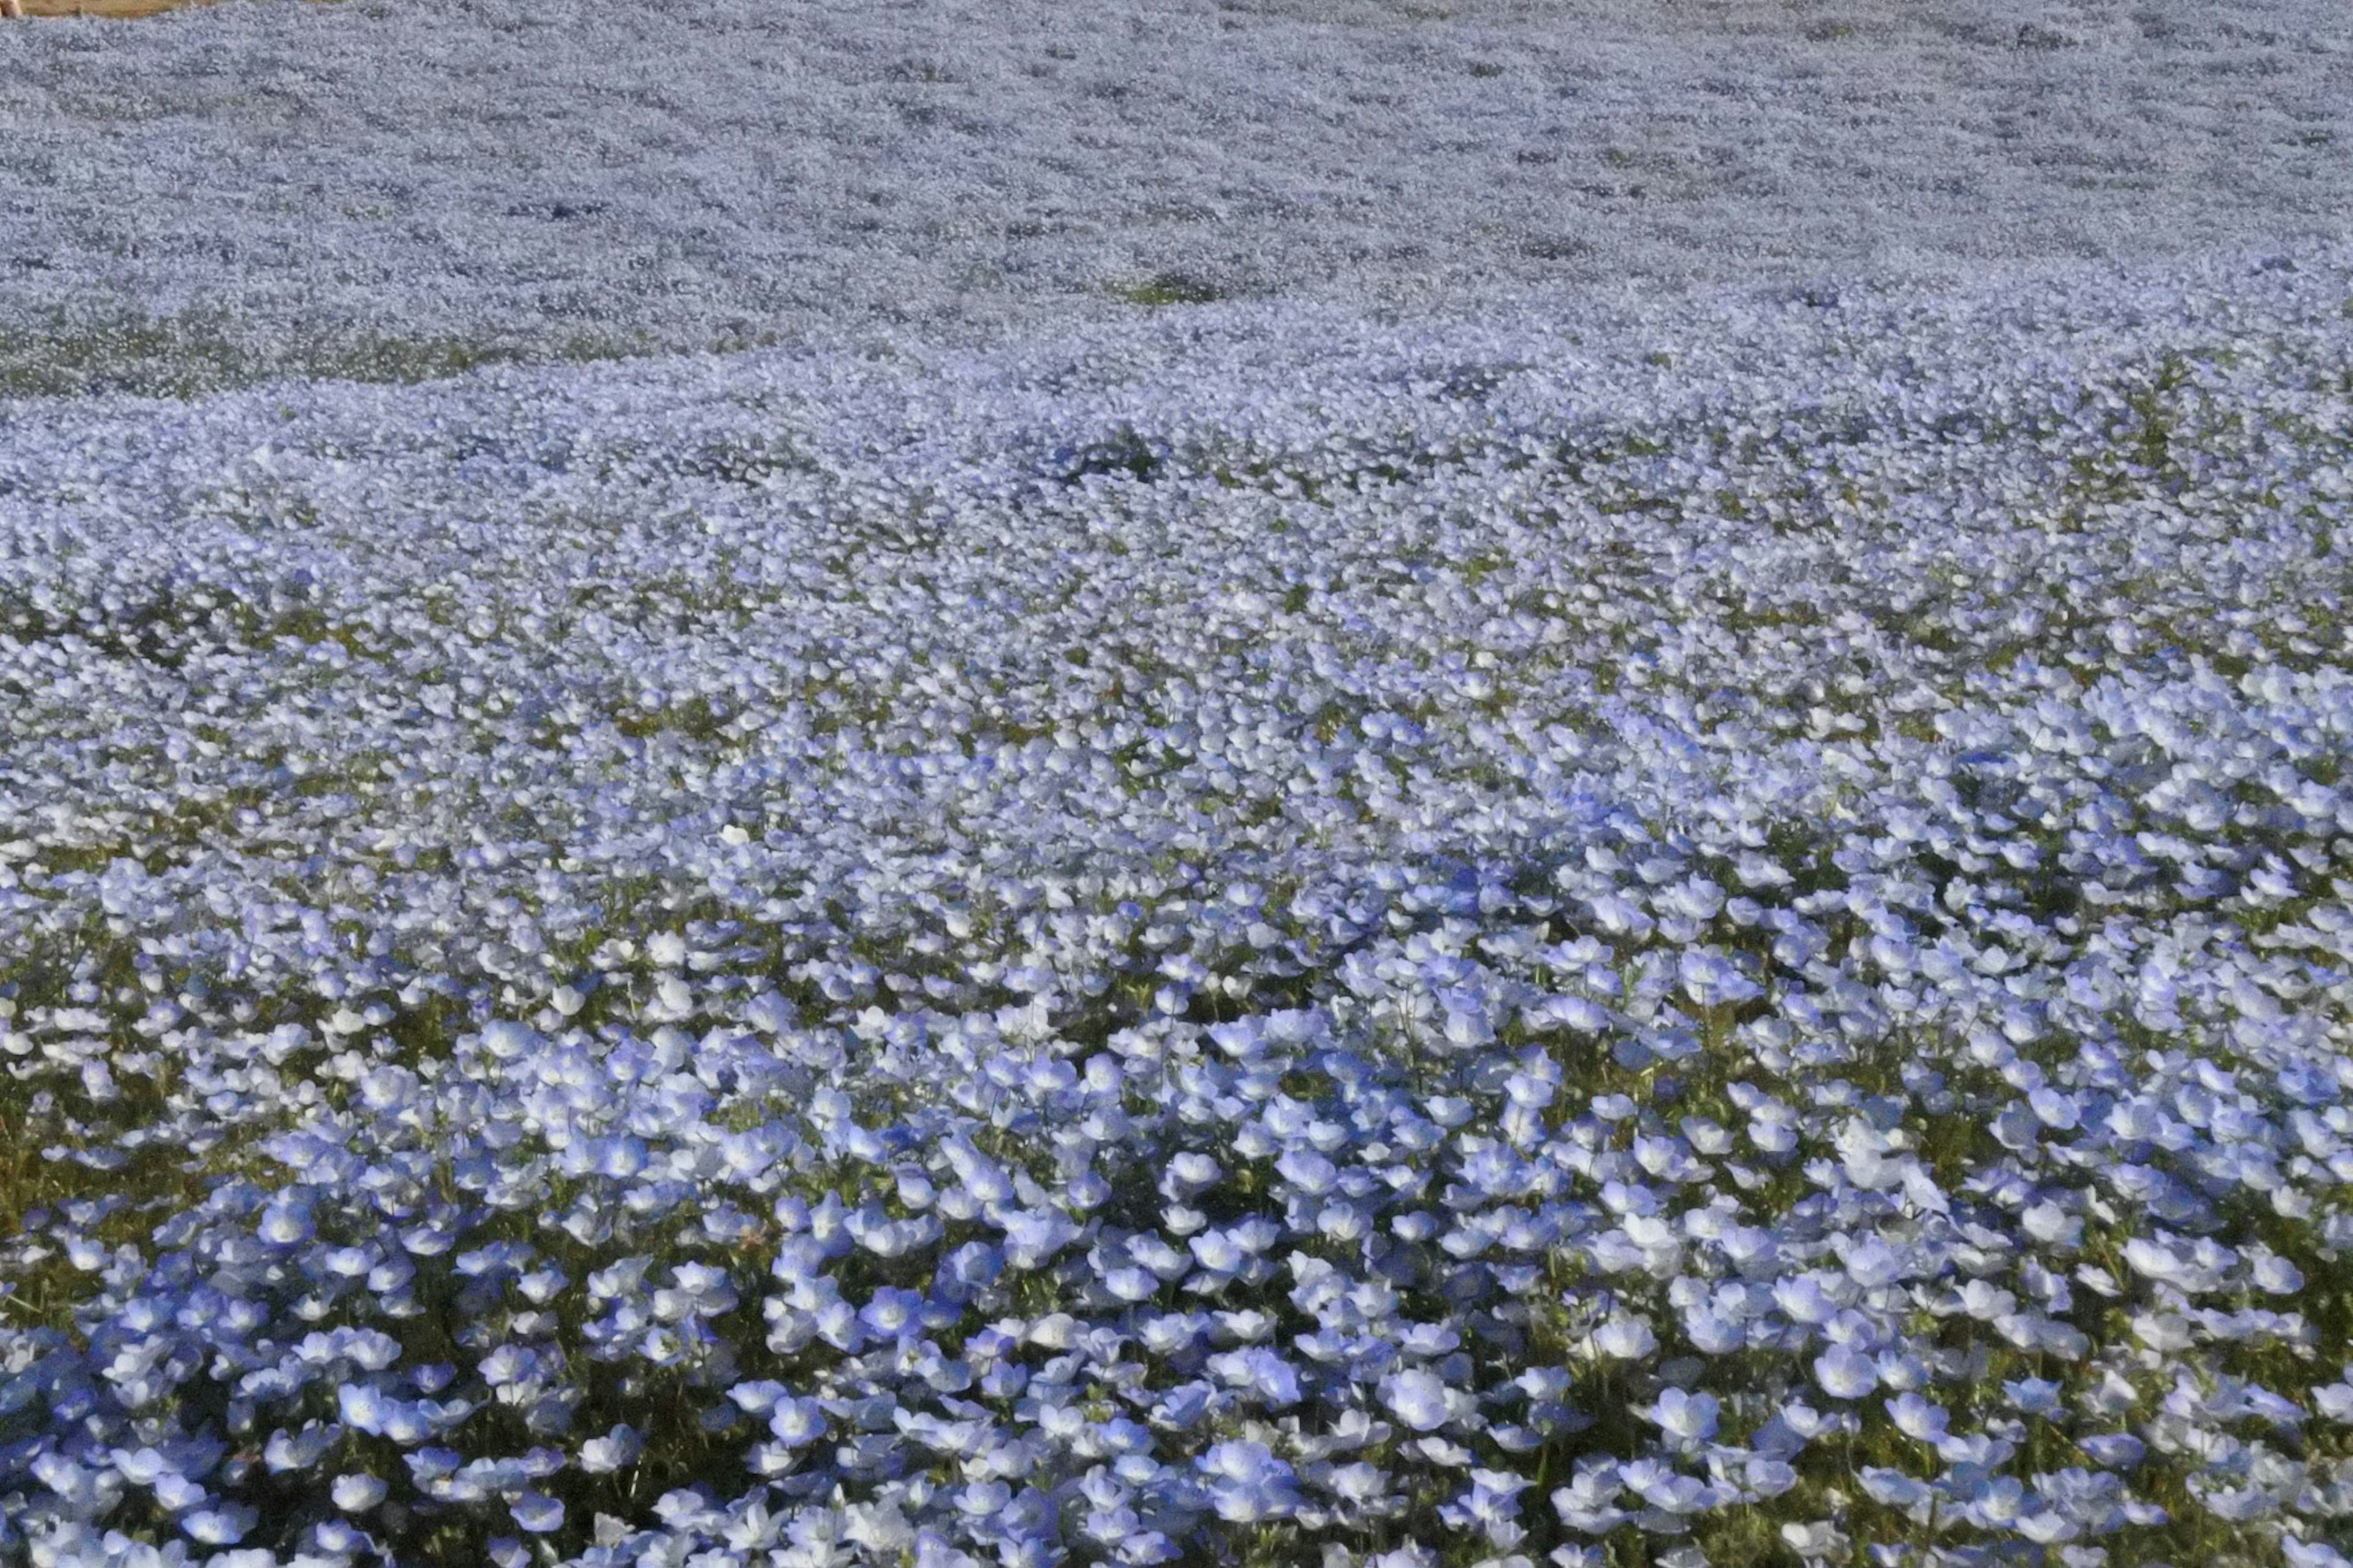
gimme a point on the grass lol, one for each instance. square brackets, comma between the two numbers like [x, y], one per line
[1171, 288]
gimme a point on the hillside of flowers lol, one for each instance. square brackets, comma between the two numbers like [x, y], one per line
[1703, 934]
[404, 188]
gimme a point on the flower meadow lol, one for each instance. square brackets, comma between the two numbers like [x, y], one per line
[394, 189]
[1701, 931]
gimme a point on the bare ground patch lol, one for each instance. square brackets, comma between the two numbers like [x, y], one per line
[123, 8]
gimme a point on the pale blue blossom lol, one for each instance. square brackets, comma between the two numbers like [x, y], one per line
[1415, 1397]
[358, 1493]
[1686, 1416]
[1845, 1372]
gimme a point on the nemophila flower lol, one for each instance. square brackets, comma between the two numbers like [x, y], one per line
[364, 1408]
[176, 1492]
[798, 1421]
[1768, 1478]
[357, 1493]
[1872, 1263]
[1132, 1284]
[1845, 1372]
[1893, 1489]
[1712, 1332]
[1667, 1490]
[288, 1222]
[1426, 1338]
[1805, 1299]
[223, 1526]
[2276, 1276]
[1491, 1506]
[1818, 1540]
[536, 1513]
[1247, 1483]
[1917, 1418]
[1259, 1372]
[2333, 1400]
[893, 1313]
[2303, 1554]
[297, 1450]
[142, 1467]
[1711, 981]
[1030, 1238]
[509, 1365]
[1357, 1481]
[1219, 1252]
[1415, 1397]
[1170, 1334]
[1625, 1339]
[2114, 1450]
[1686, 1416]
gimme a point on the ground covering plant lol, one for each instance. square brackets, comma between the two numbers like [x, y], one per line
[221, 194]
[1703, 933]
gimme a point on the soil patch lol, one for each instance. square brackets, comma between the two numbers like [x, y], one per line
[123, 8]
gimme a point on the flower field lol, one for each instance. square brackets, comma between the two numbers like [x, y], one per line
[1702, 932]
[841, 783]
[404, 188]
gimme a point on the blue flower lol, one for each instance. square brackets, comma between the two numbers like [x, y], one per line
[1686, 1416]
[1845, 1372]
[223, 1526]
[1247, 1483]
[357, 1494]
[536, 1513]
[617, 1449]
[364, 1408]
[797, 1423]
[1259, 1372]
[1415, 1397]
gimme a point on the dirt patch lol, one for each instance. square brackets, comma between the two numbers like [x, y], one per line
[106, 7]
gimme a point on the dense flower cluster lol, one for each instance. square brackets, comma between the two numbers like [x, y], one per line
[1712, 935]
[383, 189]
